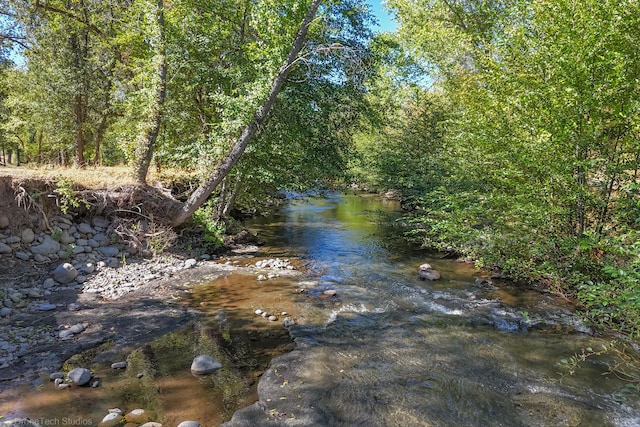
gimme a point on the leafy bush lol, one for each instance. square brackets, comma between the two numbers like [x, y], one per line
[214, 230]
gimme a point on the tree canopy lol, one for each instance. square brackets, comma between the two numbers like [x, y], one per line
[510, 128]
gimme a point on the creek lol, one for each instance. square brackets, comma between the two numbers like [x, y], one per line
[391, 350]
[386, 350]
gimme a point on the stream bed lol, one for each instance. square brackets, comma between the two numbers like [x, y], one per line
[372, 345]
[389, 349]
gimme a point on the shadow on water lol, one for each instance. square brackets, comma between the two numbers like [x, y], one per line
[158, 376]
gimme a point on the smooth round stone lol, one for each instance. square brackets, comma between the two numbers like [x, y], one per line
[204, 364]
[138, 416]
[119, 365]
[330, 292]
[80, 376]
[5, 311]
[27, 235]
[151, 424]
[65, 273]
[40, 258]
[56, 376]
[111, 419]
[85, 228]
[189, 424]
[258, 312]
[273, 318]
[46, 307]
[48, 283]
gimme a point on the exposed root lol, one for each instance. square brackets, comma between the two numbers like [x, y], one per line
[25, 201]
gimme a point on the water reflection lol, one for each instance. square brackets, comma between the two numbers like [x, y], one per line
[393, 350]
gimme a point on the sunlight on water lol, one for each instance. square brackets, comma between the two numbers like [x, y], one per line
[392, 350]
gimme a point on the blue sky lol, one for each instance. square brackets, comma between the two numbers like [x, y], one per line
[384, 18]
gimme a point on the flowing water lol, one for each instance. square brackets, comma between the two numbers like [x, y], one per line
[386, 350]
[394, 350]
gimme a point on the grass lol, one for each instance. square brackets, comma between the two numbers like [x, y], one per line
[95, 178]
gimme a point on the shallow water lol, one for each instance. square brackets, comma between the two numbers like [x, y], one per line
[228, 330]
[393, 350]
[387, 350]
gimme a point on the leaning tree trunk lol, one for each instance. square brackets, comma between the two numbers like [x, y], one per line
[202, 193]
[146, 147]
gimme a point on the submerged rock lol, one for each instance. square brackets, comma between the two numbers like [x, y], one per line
[204, 364]
[430, 275]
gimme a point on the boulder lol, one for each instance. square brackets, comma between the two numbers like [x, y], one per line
[79, 376]
[47, 247]
[65, 273]
[204, 364]
[430, 275]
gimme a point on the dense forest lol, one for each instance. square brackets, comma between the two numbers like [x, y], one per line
[509, 128]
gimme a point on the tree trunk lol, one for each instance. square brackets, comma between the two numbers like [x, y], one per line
[200, 195]
[79, 118]
[145, 150]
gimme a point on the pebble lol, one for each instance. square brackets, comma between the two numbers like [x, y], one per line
[273, 318]
[258, 312]
[262, 277]
[56, 375]
[190, 263]
[288, 321]
[46, 307]
[330, 292]
[189, 424]
[119, 365]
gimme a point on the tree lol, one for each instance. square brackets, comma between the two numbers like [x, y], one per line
[200, 195]
[155, 105]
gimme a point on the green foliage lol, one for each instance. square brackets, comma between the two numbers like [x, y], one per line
[518, 145]
[623, 363]
[67, 197]
[213, 229]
